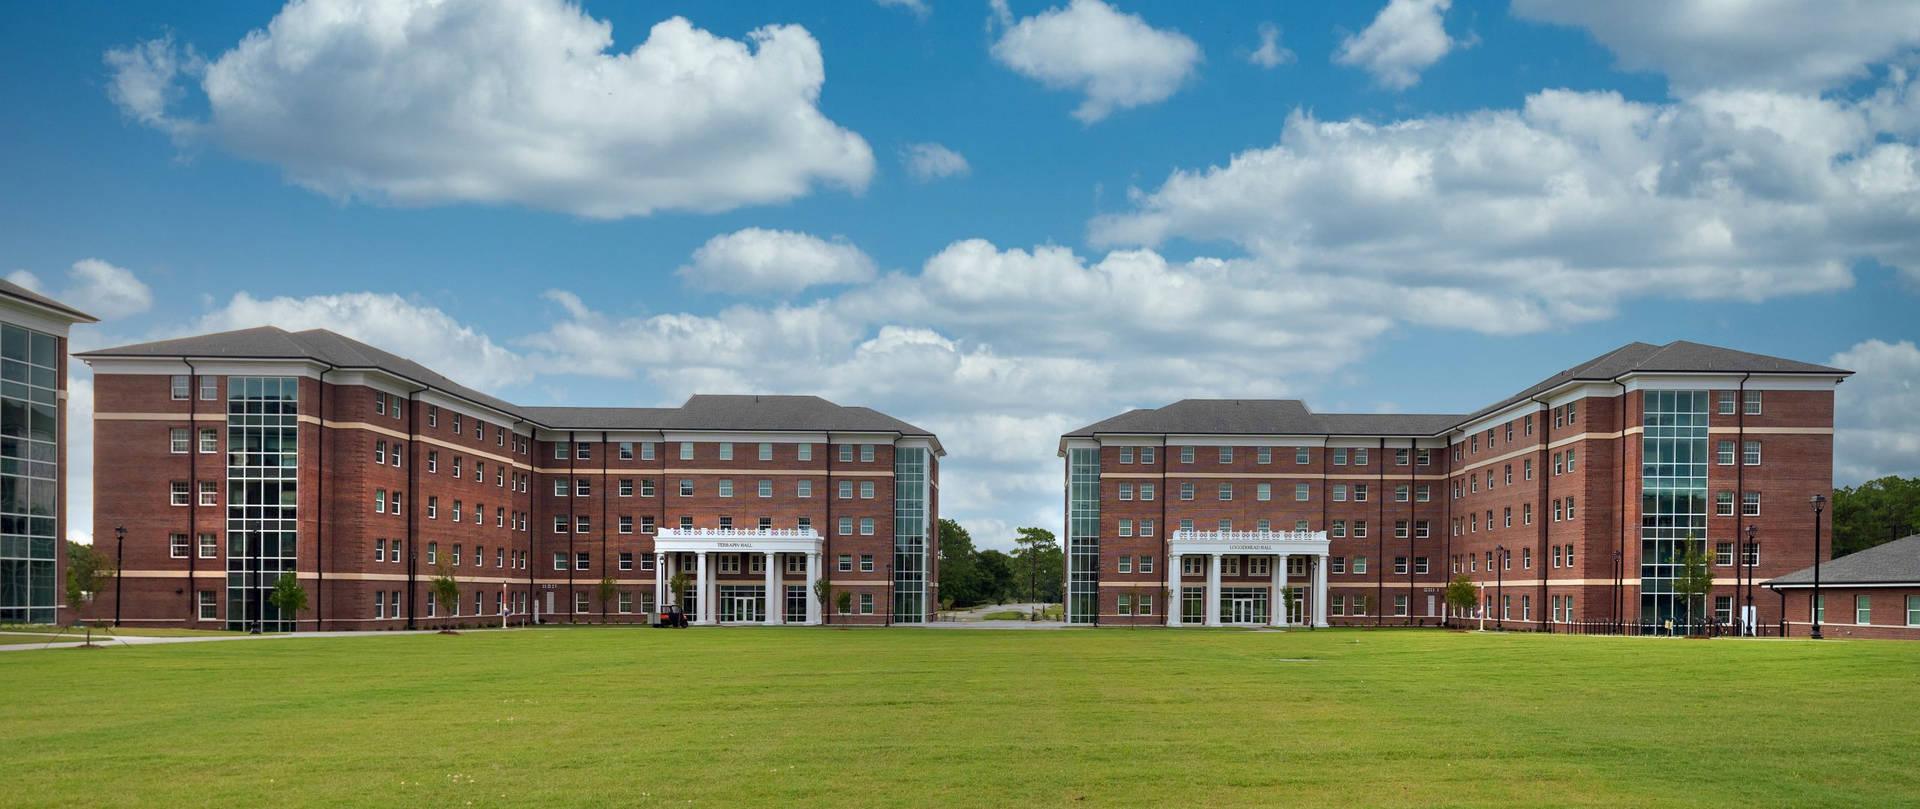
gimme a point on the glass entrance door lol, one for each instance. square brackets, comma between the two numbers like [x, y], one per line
[1242, 611]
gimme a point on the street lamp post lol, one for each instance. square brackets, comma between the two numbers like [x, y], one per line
[1819, 503]
[1748, 556]
[119, 553]
[1499, 586]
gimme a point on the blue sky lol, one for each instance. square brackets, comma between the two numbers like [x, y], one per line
[1414, 206]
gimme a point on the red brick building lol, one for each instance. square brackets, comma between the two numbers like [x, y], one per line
[33, 454]
[1873, 593]
[232, 458]
[1571, 503]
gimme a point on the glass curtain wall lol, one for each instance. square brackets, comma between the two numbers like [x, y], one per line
[1673, 499]
[1083, 535]
[29, 475]
[263, 469]
[909, 535]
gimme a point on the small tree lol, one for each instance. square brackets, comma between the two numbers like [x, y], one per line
[845, 600]
[823, 592]
[607, 590]
[88, 571]
[288, 596]
[1694, 580]
[677, 586]
[1462, 595]
[446, 591]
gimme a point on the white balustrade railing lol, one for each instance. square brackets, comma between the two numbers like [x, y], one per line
[739, 533]
[1194, 535]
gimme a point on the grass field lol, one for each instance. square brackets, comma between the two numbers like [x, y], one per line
[956, 718]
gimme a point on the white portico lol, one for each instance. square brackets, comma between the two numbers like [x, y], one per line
[777, 553]
[1214, 547]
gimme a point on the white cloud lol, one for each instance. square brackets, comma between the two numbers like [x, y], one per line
[511, 101]
[1270, 53]
[918, 7]
[1117, 60]
[145, 83]
[1793, 45]
[1514, 220]
[754, 261]
[932, 161]
[424, 334]
[1874, 429]
[95, 287]
[1406, 38]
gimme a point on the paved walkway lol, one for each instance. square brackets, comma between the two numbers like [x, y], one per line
[104, 639]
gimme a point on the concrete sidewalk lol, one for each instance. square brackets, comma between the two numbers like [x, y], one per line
[104, 639]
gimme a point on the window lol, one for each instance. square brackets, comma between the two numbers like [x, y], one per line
[1337, 605]
[686, 450]
[581, 488]
[866, 526]
[581, 561]
[1360, 457]
[1340, 456]
[804, 488]
[866, 603]
[1400, 494]
[646, 450]
[1126, 455]
[1146, 454]
[1359, 529]
[866, 453]
[726, 451]
[1753, 403]
[177, 546]
[1126, 530]
[686, 487]
[1186, 454]
[1263, 455]
[1126, 564]
[1726, 402]
[1186, 491]
[846, 526]
[1359, 564]
[1569, 508]
[866, 490]
[1301, 455]
[846, 490]
[846, 563]
[1506, 517]
[1340, 493]
[1750, 504]
[1300, 492]
[1819, 608]
[1722, 554]
[582, 524]
[1359, 492]
[1913, 610]
[1725, 453]
[1400, 565]
[560, 522]
[1570, 463]
[846, 453]
[177, 440]
[646, 524]
[726, 488]
[1558, 464]
[1263, 492]
[1400, 529]
[1723, 504]
[1750, 454]
[1146, 530]
[180, 388]
[1862, 610]
[1423, 493]
[1339, 528]
[1126, 491]
[866, 563]
[1226, 492]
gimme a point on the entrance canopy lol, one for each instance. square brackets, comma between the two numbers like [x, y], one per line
[737, 540]
[1294, 543]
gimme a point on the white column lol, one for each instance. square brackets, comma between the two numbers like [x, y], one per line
[1277, 604]
[1320, 590]
[813, 600]
[1174, 602]
[776, 594]
[704, 600]
[659, 582]
[1213, 590]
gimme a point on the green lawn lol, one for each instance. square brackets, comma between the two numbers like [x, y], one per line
[955, 718]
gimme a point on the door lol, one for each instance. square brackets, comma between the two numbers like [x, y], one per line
[549, 602]
[1242, 611]
[1430, 606]
[743, 608]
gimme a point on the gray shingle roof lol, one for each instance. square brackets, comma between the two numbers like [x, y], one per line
[1896, 562]
[701, 412]
[1264, 417]
[13, 290]
[1292, 417]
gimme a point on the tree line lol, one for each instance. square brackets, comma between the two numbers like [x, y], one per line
[968, 577]
[1874, 512]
